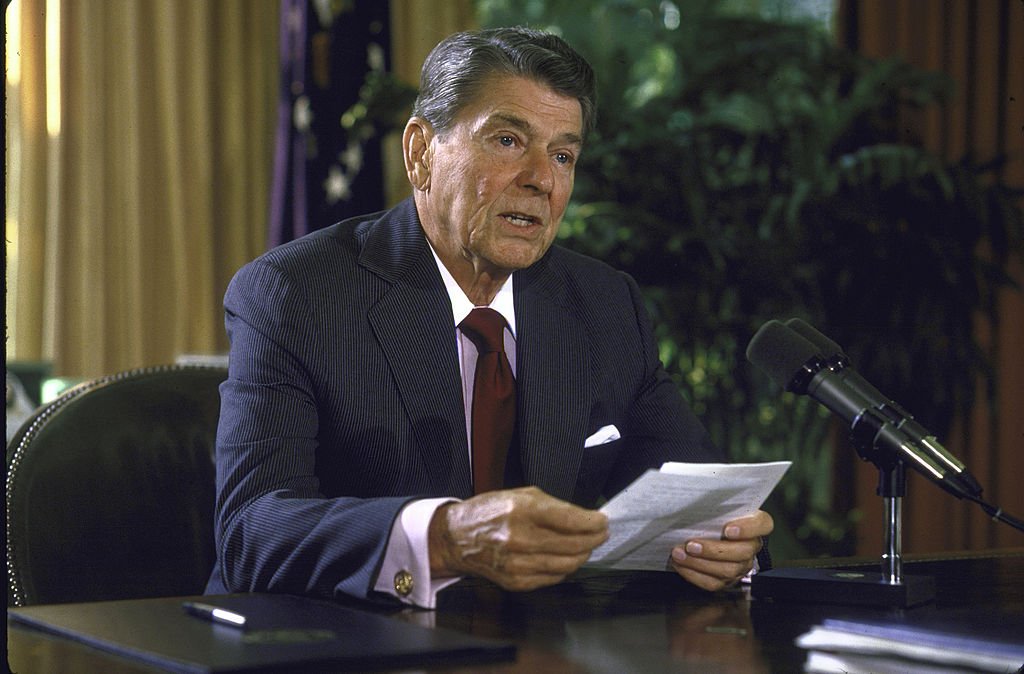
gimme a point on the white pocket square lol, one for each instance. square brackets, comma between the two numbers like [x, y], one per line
[603, 435]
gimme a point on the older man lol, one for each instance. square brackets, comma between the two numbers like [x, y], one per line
[437, 391]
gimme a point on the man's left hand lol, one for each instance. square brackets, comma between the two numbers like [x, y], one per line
[715, 564]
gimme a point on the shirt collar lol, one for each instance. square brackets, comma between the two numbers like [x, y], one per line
[503, 302]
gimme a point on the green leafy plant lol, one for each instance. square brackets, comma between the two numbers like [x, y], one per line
[744, 170]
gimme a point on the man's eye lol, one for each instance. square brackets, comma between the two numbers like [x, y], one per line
[507, 141]
[563, 158]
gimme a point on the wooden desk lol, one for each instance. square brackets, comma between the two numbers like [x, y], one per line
[630, 622]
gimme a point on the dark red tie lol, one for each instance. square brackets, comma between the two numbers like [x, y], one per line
[494, 399]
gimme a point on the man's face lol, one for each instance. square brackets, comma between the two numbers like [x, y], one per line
[500, 178]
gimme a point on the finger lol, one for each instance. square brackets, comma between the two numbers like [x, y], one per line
[705, 581]
[715, 550]
[527, 583]
[544, 541]
[527, 565]
[530, 504]
[513, 570]
[563, 517]
[728, 571]
[710, 573]
[755, 526]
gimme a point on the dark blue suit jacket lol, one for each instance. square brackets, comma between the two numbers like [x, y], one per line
[344, 399]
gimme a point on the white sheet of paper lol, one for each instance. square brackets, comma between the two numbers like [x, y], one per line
[661, 509]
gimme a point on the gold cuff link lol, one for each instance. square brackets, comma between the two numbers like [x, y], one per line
[403, 583]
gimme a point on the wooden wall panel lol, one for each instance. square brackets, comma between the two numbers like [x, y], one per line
[980, 45]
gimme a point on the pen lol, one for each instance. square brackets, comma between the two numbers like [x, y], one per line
[214, 614]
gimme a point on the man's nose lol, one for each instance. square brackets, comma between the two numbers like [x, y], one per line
[537, 174]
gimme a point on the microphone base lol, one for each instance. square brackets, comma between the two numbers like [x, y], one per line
[838, 586]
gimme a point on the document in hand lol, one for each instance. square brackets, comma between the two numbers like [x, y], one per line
[663, 508]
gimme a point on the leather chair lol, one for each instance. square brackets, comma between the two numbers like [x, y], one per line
[110, 489]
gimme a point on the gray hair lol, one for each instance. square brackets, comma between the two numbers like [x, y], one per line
[460, 64]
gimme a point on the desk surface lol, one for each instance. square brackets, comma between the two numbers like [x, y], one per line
[624, 621]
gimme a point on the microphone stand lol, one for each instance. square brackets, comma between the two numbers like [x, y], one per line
[902, 590]
[888, 589]
[892, 484]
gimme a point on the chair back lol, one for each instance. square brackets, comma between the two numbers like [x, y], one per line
[110, 489]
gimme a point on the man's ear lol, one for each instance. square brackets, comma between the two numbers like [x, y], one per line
[416, 147]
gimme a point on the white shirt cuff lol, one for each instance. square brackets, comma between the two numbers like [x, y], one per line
[405, 571]
[749, 578]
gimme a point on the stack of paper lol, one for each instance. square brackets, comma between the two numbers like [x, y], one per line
[662, 509]
[943, 643]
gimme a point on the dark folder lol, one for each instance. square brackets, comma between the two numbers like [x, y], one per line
[283, 633]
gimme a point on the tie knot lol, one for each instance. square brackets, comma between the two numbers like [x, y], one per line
[485, 327]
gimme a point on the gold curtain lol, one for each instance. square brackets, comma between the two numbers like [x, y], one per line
[980, 45]
[416, 26]
[125, 224]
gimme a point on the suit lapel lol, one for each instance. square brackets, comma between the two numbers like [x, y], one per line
[552, 363]
[552, 372]
[413, 325]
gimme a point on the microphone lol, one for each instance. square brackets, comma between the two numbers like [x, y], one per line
[924, 439]
[798, 366]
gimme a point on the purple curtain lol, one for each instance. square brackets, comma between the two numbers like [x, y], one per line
[322, 172]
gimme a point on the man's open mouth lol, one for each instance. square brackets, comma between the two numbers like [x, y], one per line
[521, 219]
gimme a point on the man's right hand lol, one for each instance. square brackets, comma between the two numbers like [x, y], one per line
[521, 539]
